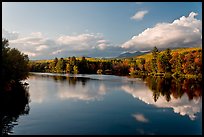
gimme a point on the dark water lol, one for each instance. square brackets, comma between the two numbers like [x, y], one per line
[105, 104]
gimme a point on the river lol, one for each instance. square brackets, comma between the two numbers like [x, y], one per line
[62, 104]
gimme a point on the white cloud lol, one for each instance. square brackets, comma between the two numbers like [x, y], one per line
[102, 46]
[41, 47]
[35, 44]
[139, 15]
[31, 54]
[83, 42]
[57, 52]
[102, 41]
[183, 32]
[140, 118]
[38, 46]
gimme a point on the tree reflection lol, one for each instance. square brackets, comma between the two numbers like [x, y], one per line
[192, 88]
[175, 87]
[14, 102]
[71, 80]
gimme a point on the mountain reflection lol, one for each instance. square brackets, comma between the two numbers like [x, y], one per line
[14, 103]
[184, 96]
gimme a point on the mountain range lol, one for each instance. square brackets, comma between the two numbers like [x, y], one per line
[131, 54]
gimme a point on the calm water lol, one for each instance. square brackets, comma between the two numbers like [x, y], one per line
[105, 104]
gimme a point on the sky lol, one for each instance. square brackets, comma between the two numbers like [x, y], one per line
[44, 30]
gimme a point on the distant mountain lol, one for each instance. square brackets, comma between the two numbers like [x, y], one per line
[132, 54]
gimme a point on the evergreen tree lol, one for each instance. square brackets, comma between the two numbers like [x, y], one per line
[154, 59]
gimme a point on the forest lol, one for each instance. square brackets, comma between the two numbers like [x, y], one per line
[184, 62]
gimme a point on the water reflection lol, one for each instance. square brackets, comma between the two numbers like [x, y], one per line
[177, 87]
[67, 87]
[80, 92]
[64, 101]
[14, 103]
[184, 96]
[140, 118]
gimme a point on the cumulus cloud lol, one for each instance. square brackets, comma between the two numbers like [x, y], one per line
[37, 46]
[139, 15]
[83, 41]
[182, 32]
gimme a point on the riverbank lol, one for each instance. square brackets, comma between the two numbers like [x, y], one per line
[168, 75]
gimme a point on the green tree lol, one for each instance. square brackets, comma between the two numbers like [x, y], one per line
[155, 52]
[73, 60]
[60, 65]
[168, 57]
[14, 63]
[83, 66]
[69, 68]
[75, 69]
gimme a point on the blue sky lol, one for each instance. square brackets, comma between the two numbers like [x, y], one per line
[99, 29]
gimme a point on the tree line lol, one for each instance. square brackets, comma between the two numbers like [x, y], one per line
[73, 65]
[160, 63]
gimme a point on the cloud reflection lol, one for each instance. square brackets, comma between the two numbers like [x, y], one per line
[181, 106]
[80, 92]
[140, 118]
[39, 93]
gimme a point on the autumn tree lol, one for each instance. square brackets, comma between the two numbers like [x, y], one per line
[176, 63]
[163, 61]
